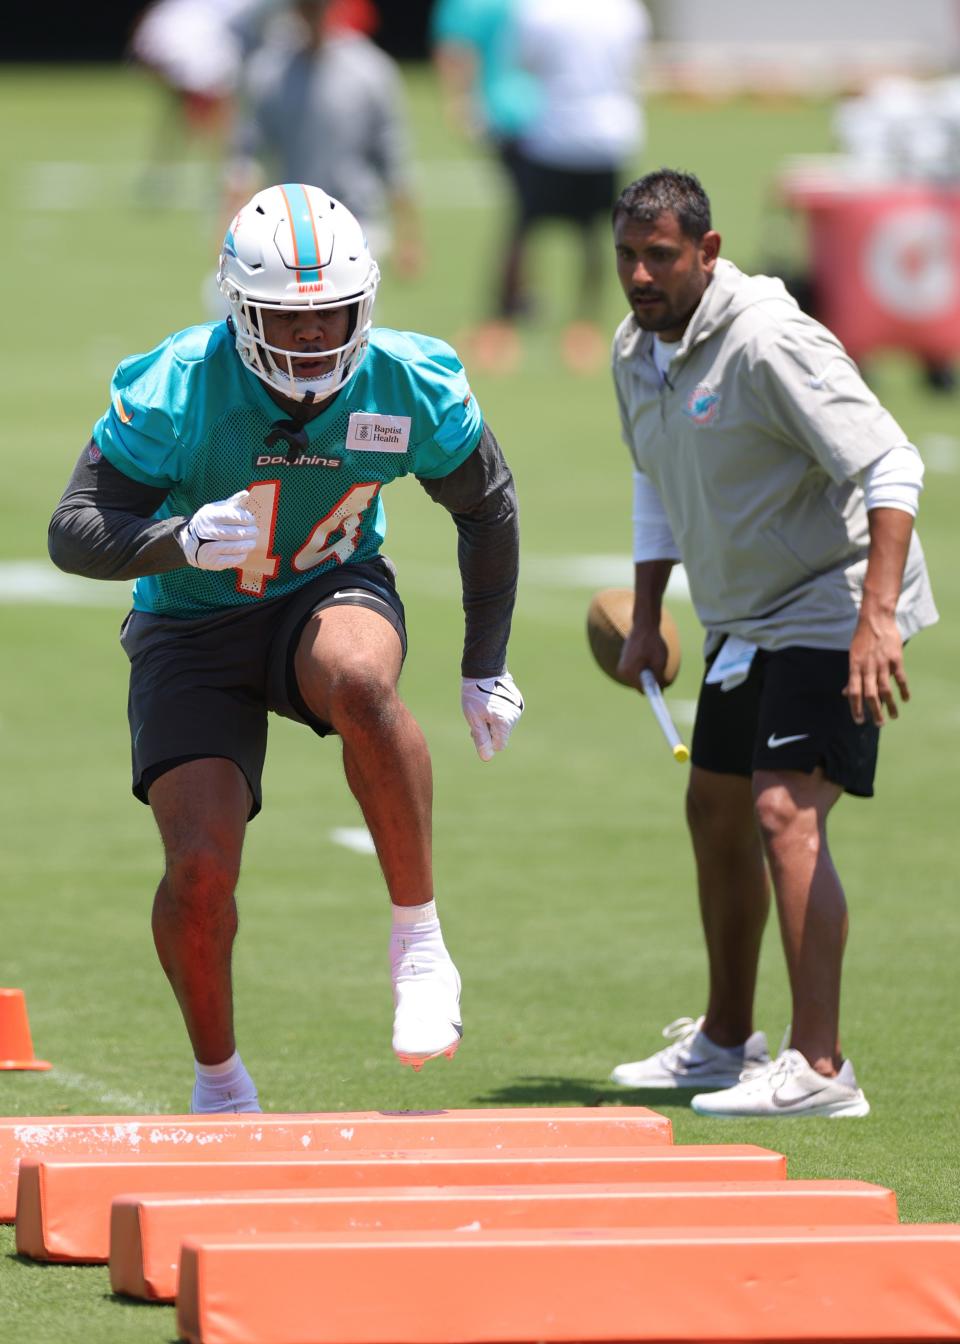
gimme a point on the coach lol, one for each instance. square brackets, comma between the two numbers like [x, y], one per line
[765, 465]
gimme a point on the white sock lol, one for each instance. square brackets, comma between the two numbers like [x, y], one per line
[416, 939]
[223, 1087]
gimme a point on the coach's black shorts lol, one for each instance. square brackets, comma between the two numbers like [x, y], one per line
[547, 192]
[202, 687]
[789, 714]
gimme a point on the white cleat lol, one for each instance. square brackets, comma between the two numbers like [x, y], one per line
[787, 1086]
[692, 1060]
[426, 1021]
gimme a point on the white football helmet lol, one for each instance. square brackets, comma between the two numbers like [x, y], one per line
[293, 246]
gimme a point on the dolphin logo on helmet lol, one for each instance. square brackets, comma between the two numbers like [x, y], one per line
[293, 246]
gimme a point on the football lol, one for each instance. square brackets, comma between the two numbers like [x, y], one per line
[609, 619]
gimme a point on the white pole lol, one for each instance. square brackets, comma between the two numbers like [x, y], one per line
[654, 694]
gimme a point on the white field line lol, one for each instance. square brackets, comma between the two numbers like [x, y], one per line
[592, 571]
[357, 838]
[67, 186]
[37, 582]
[126, 1103]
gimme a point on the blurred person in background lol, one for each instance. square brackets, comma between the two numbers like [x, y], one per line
[322, 103]
[586, 58]
[484, 90]
[195, 49]
[237, 476]
[763, 463]
[558, 86]
[487, 93]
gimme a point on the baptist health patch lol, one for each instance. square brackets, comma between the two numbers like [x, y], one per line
[368, 432]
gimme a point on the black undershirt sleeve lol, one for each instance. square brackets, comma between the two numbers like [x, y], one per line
[103, 527]
[480, 495]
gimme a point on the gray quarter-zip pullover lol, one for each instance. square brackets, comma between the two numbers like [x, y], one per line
[752, 439]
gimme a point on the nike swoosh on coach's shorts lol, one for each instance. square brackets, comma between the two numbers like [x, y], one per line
[773, 741]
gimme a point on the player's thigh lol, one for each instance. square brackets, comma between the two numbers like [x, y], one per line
[349, 630]
[346, 650]
[805, 725]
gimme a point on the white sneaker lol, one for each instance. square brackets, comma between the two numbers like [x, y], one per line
[787, 1086]
[693, 1060]
[426, 1020]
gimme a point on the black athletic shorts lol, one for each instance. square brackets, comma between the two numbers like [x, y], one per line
[789, 714]
[547, 192]
[202, 687]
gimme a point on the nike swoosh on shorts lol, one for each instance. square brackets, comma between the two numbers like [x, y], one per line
[773, 741]
[352, 592]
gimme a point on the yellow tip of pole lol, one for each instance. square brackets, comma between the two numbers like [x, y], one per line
[681, 753]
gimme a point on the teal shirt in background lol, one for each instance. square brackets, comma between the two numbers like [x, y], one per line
[190, 418]
[508, 96]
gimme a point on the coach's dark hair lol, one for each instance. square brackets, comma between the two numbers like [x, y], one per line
[667, 192]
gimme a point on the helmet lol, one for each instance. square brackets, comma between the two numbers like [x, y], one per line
[293, 246]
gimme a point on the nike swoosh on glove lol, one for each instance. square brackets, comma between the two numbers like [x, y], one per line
[220, 535]
[491, 706]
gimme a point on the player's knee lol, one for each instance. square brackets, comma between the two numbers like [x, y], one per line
[361, 695]
[199, 882]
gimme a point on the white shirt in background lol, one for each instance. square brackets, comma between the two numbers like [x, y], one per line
[586, 57]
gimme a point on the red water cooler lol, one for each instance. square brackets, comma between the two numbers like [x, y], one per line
[884, 262]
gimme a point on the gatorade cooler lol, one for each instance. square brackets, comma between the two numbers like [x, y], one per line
[884, 263]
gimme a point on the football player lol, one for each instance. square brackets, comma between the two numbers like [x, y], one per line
[237, 476]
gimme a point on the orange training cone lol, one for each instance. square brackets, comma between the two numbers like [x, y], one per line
[16, 1048]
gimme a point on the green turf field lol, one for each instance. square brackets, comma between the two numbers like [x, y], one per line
[563, 872]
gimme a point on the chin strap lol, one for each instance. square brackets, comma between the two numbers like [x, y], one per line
[292, 432]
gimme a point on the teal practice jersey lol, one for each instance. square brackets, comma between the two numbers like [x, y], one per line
[189, 417]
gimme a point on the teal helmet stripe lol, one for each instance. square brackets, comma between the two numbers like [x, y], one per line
[305, 250]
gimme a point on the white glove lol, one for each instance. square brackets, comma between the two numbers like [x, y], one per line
[491, 707]
[221, 535]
